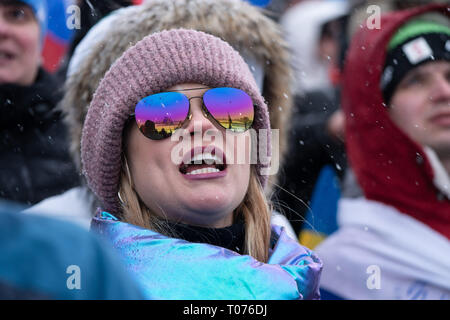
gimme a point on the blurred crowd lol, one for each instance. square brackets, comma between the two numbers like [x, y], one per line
[358, 93]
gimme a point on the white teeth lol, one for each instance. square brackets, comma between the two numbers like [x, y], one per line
[204, 170]
[208, 158]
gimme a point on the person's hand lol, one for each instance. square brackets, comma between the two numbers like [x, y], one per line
[336, 125]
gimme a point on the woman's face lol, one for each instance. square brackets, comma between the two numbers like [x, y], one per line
[19, 44]
[188, 194]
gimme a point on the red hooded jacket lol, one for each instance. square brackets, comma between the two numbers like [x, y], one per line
[390, 167]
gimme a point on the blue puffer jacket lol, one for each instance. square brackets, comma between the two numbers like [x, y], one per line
[169, 268]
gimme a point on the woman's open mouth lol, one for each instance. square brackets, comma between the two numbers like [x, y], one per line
[198, 164]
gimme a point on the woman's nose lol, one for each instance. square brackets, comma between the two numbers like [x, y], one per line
[199, 121]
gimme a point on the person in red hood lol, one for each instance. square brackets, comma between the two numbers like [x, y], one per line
[393, 243]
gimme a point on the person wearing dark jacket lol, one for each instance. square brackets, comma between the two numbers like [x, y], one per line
[34, 159]
[313, 141]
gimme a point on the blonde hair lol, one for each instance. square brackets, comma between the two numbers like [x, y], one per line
[254, 209]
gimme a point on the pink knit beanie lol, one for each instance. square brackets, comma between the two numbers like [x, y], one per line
[155, 63]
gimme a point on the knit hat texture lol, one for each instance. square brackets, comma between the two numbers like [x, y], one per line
[414, 44]
[157, 62]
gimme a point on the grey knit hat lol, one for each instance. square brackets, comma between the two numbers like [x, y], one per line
[155, 63]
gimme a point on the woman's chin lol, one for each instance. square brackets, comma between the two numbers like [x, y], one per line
[210, 203]
[214, 205]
